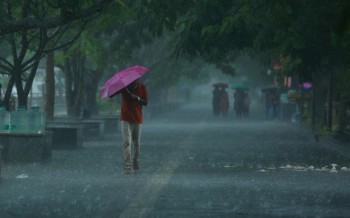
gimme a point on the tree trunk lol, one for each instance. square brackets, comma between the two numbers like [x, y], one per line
[21, 97]
[91, 90]
[68, 80]
[74, 79]
[8, 92]
[79, 81]
[81, 84]
[49, 106]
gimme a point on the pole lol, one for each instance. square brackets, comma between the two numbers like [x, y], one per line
[313, 113]
[330, 103]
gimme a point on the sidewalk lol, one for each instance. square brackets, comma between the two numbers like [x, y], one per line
[341, 147]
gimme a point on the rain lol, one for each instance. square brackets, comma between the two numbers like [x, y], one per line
[174, 109]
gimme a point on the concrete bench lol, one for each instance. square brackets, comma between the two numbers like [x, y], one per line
[23, 147]
[65, 135]
[91, 128]
[111, 122]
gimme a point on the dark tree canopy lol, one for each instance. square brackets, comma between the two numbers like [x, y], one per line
[61, 12]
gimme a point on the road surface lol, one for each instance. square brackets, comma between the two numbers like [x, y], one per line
[192, 165]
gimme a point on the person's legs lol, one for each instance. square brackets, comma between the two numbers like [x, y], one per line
[136, 139]
[126, 136]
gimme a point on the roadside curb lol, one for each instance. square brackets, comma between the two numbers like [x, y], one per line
[338, 146]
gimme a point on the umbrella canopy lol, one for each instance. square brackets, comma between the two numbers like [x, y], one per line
[222, 85]
[120, 80]
[242, 86]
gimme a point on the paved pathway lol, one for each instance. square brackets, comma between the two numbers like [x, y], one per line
[192, 165]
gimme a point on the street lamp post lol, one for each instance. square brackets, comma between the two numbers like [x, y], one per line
[330, 101]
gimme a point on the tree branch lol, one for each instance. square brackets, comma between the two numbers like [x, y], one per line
[42, 43]
[28, 23]
[68, 42]
[29, 83]
[6, 62]
[5, 68]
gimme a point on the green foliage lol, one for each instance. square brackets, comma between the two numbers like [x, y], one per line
[213, 31]
[290, 65]
[162, 16]
[323, 131]
[300, 31]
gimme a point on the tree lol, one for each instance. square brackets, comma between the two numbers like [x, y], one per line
[29, 40]
[49, 87]
[104, 46]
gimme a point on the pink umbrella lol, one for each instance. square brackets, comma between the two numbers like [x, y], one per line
[120, 80]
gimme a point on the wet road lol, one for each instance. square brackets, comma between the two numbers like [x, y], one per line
[192, 165]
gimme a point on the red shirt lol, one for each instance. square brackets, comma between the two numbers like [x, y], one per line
[131, 109]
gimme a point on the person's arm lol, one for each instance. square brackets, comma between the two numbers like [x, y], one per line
[144, 96]
[139, 100]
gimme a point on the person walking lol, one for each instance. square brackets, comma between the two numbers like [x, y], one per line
[216, 100]
[246, 103]
[134, 97]
[269, 98]
[238, 102]
[224, 102]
